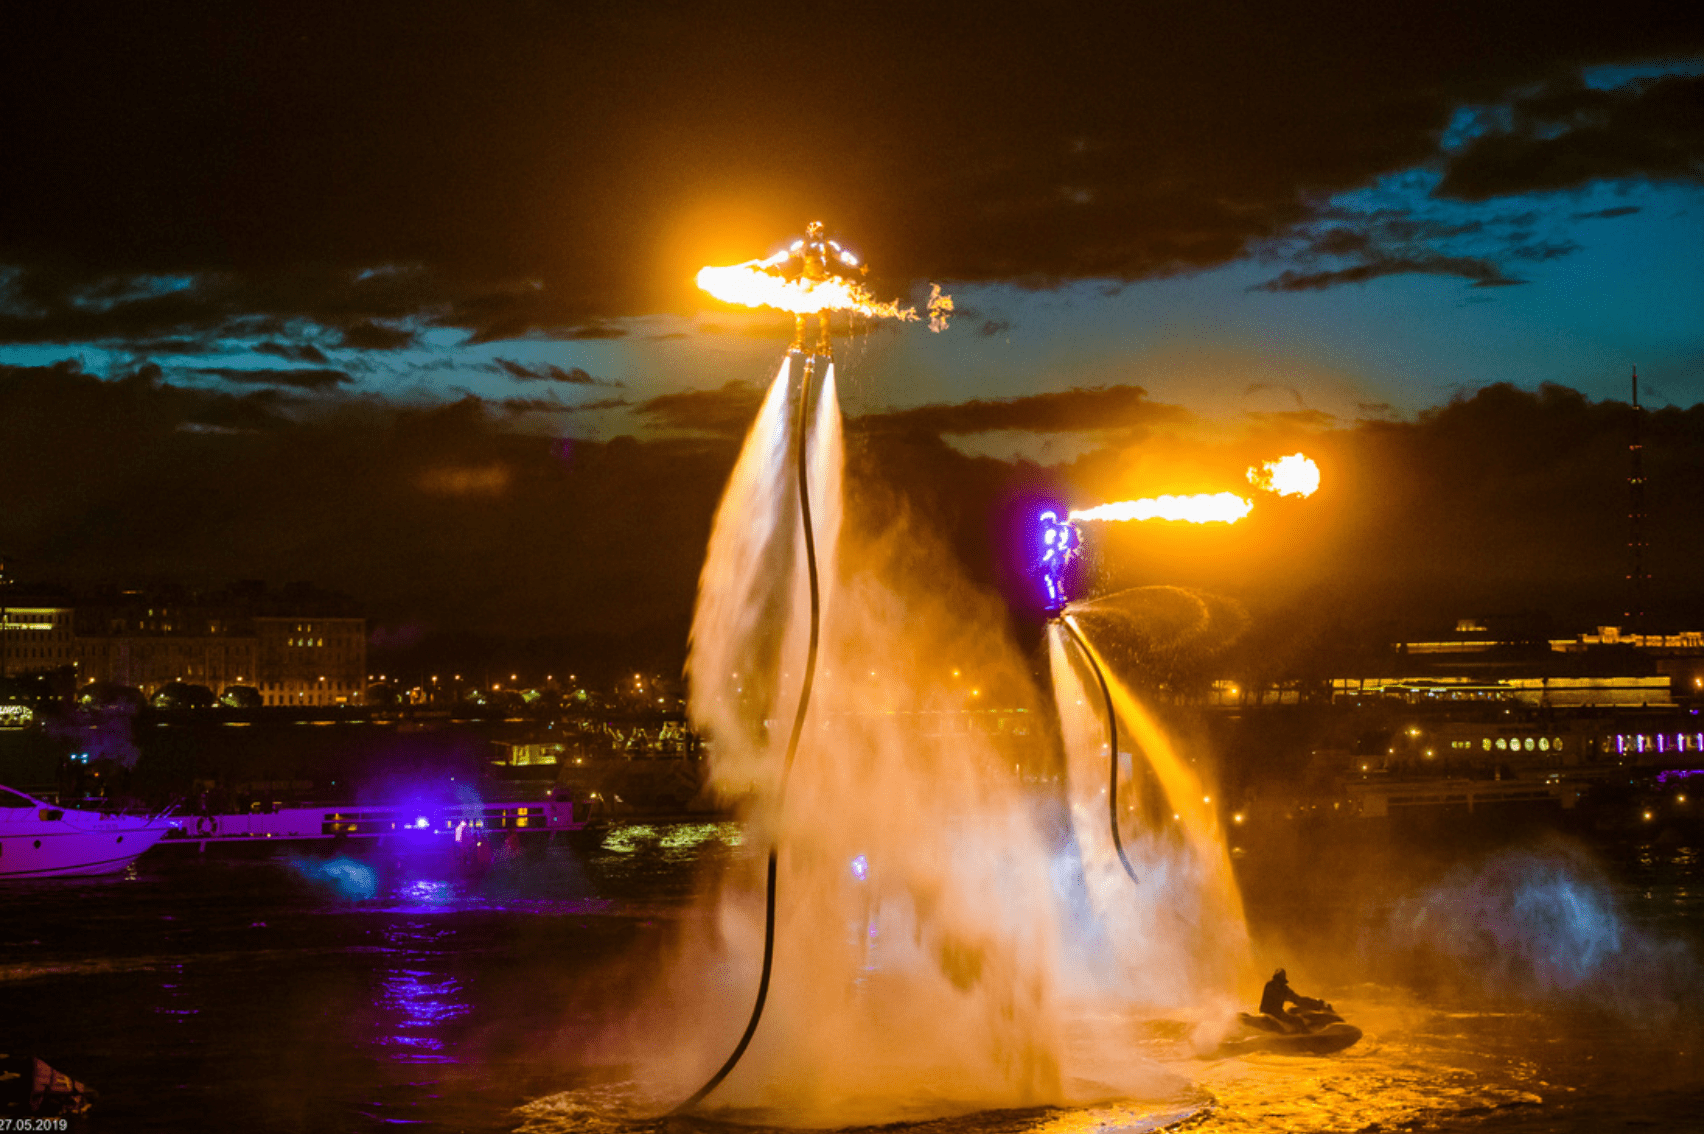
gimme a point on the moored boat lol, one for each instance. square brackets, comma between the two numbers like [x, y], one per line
[42, 840]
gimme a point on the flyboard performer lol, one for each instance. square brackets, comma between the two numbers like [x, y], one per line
[813, 276]
[813, 259]
[1061, 547]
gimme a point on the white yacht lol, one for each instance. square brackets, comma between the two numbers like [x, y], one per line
[41, 840]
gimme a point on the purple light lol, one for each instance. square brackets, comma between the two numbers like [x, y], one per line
[1060, 544]
[860, 868]
[1679, 774]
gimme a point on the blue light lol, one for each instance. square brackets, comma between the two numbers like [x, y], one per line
[346, 877]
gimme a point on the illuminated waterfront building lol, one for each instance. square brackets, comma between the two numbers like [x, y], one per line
[1606, 669]
[35, 635]
[296, 647]
[311, 660]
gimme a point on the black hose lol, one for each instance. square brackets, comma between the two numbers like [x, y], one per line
[792, 744]
[1112, 740]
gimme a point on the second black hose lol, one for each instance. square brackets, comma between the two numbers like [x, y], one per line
[1112, 742]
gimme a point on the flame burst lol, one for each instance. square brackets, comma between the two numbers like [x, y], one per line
[1205, 508]
[752, 285]
[1294, 475]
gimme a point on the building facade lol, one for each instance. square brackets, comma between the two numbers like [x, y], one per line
[241, 637]
[36, 635]
[311, 660]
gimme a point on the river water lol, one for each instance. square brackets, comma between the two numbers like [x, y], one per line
[300, 994]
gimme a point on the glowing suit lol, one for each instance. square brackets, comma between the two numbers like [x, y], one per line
[811, 258]
[1060, 545]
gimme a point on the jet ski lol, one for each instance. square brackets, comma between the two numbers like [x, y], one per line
[1322, 1032]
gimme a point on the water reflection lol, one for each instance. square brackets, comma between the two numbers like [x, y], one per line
[175, 1001]
[676, 838]
[426, 892]
[415, 1004]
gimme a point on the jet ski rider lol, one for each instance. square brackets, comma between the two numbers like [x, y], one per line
[1278, 993]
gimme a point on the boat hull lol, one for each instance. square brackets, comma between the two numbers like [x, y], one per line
[1326, 1041]
[50, 842]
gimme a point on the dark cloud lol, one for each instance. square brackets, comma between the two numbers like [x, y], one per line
[728, 411]
[531, 405]
[1350, 246]
[1567, 134]
[1339, 241]
[368, 335]
[621, 150]
[599, 404]
[1501, 500]
[1293, 419]
[528, 311]
[64, 403]
[1606, 214]
[52, 304]
[1544, 250]
[993, 327]
[145, 347]
[1099, 408]
[731, 409]
[304, 379]
[1481, 272]
[592, 331]
[544, 371]
[549, 404]
[294, 352]
[133, 478]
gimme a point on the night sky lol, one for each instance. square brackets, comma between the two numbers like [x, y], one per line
[398, 298]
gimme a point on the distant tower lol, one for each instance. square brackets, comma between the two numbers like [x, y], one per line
[1636, 577]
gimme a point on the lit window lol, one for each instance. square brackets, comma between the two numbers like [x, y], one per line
[1529, 744]
[1487, 743]
[1544, 744]
[1502, 744]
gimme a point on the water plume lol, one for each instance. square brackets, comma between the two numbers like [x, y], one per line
[745, 632]
[1187, 913]
[931, 933]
